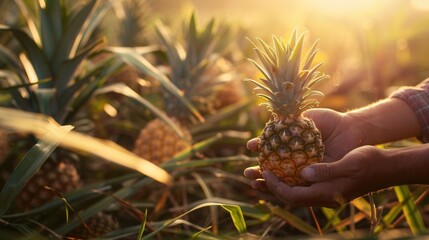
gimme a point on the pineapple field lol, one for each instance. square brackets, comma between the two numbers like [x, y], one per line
[136, 119]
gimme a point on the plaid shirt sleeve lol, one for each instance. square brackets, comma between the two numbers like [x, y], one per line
[418, 99]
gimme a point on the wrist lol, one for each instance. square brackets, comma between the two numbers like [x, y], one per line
[385, 121]
[406, 165]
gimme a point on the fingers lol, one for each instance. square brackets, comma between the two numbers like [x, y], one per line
[320, 172]
[317, 195]
[257, 182]
[253, 144]
[253, 172]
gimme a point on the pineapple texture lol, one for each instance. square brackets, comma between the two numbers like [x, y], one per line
[62, 176]
[158, 142]
[287, 146]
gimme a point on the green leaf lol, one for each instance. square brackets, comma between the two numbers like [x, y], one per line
[237, 217]
[143, 225]
[34, 53]
[122, 89]
[28, 166]
[411, 211]
[140, 63]
[72, 34]
[69, 67]
[39, 125]
[50, 25]
[293, 220]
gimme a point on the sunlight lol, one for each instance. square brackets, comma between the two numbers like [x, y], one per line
[341, 6]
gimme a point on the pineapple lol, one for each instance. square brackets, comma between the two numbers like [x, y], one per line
[59, 174]
[289, 141]
[158, 142]
[55, 75]
[97, 226]
[190, 70]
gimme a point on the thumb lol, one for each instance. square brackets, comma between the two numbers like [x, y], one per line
[320, 172]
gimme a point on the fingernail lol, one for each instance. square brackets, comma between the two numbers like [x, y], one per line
[308, 173]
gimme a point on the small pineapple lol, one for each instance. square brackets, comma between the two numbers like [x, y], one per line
[191, 71]
[289, 141]
[159, 143]
[60, 174]
[97, 226]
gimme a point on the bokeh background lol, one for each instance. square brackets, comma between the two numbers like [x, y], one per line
[368, 47]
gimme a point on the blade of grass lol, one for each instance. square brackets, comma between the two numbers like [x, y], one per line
[122, 89]
[411, 212]
[28, 166]
[208, 194]
[143, 225]
[391, 218]
[236, 216]
[40, 124]
[333, 218]
[139, 62]
[293, 220]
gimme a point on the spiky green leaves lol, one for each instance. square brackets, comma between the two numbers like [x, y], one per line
[287, 81]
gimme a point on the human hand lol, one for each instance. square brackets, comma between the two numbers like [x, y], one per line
[357, 173]
[339, 137]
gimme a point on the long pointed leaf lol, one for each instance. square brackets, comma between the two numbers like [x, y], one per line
[72, 36]
[39, 124]
[412, 214]
[128, 92]
[35, 54]
[28, 166]
[145, 66]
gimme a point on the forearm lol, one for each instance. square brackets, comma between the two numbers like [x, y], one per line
[385, 121]
[405, 166]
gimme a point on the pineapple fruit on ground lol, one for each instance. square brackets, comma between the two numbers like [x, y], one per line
[57, 175]
[289, 141]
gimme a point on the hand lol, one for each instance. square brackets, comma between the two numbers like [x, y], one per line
[338, 133]
[333, 184]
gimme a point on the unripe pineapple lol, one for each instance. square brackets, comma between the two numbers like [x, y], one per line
[97, 226]
[59, 174]
[289, 141]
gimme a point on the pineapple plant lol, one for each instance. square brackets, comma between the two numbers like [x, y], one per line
[289, 142]
[190, 67]
[52, 73]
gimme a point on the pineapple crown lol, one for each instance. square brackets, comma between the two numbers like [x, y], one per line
[288, 81]
[47, 73]
[192, 62]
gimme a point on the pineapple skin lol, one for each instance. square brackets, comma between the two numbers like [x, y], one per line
[157, 142]
[289, 144]
[61, 175]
